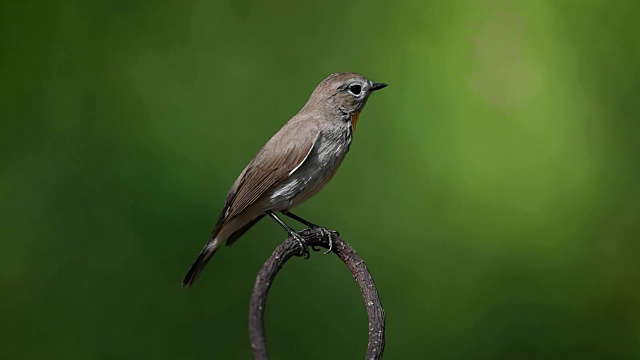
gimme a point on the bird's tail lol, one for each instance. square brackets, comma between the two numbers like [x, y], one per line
[201, 261]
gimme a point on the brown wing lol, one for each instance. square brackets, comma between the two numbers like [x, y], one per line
[286, 150]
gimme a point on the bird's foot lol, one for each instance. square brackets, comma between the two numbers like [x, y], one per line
[329, 234]
[304, 252]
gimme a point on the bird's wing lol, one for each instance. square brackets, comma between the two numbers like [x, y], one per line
[278, 159]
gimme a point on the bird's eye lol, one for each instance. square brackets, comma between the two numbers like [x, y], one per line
[355, 89]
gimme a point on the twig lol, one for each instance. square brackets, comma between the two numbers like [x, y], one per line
[345, 252]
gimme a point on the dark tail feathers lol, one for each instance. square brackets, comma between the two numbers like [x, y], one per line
[201, 261]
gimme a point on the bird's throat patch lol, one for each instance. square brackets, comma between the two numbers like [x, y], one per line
[354, 120]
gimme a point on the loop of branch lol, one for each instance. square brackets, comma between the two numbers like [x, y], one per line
[289, 248]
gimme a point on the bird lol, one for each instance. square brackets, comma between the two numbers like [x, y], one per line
[294, 165]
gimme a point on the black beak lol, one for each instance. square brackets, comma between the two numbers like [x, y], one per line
[377, 86]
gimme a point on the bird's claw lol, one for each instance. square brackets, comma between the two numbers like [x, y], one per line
[304, 246]
[329, 234]
[311, 229]
[304, 252]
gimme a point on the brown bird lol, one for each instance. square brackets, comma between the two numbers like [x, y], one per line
[296, 163]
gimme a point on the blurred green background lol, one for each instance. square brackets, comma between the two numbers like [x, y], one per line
[492, 188]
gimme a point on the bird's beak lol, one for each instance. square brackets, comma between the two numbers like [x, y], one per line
[377, 86]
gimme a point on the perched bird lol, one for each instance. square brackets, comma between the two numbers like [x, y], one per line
[296, 163]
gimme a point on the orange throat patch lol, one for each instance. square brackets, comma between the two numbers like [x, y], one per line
[354, 120]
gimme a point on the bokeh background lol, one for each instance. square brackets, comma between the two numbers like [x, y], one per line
[492, 188]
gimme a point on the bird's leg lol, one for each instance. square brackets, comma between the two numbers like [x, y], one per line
[300, 220]
[303, 245]
[313, 226]
[304, 222]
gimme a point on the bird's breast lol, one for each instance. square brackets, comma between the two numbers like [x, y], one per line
[316, 171]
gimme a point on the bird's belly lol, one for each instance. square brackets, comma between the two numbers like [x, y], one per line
[316, 171]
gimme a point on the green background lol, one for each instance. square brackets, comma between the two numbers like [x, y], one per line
[492, 188]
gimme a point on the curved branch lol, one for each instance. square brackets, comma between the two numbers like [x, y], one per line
[345, 252]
